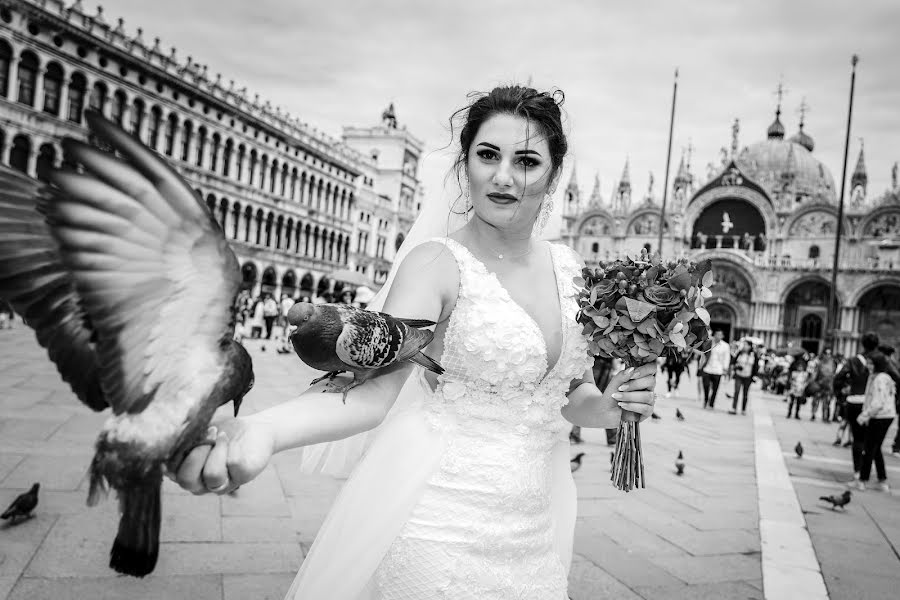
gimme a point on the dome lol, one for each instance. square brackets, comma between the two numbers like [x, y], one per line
[804, 139]
[776, 129]
[774, 162]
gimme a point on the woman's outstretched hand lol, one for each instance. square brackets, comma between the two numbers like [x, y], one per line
[632, 389]
[241, 451]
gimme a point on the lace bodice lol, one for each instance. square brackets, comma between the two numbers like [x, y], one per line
[495, 355]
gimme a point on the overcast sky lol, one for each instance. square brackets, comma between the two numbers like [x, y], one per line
[340, 62]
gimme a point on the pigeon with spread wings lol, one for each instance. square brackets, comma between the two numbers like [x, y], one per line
[129, 284]
[339, 337]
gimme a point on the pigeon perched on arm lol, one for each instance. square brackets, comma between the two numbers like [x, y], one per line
[838, 501]
[22, 507]
[129, 284]
[338, 337]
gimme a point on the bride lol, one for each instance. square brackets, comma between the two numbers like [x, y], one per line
[465, 491]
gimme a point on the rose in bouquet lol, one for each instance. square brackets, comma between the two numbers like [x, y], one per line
[637, 310]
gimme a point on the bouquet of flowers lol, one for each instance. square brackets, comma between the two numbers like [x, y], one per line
[637, 310]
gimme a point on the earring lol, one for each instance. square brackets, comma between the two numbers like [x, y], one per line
[468, 199]
[544, 215]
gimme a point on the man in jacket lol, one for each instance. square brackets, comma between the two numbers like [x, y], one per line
[717, 364]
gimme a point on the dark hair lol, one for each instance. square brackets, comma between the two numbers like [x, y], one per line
[879, 361]
[886, 350]
[540, 108]
[869, 341]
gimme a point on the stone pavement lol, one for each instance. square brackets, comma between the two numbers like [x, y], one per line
[695, 536]
[858, 548]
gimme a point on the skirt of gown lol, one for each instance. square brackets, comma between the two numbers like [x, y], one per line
[400, 529]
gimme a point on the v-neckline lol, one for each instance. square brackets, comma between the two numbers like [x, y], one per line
[534, 323]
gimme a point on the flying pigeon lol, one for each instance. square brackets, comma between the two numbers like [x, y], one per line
[129, 284]
[575, 463]
[837, 501]
[679, 415]
[799, 450]
[679, 464]
[339, 337]
[22, 507]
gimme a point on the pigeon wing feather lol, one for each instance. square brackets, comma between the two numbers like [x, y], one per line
[34, 280]
[154, 271]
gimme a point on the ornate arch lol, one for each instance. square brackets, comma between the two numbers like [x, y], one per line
[713, 194]
[881, 222]
[870, 283]
[803, 220]
[807, 278]
[739, 260]
[594, 218]
[653, 223]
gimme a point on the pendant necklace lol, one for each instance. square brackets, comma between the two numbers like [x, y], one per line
[501, 255]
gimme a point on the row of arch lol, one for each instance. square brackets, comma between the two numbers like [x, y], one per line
[24, 80]
[254, 225]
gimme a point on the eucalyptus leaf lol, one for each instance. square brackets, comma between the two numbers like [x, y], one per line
[703, 314]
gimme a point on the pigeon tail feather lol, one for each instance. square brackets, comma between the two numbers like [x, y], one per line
[426, 361]
[417, 322]
[137, 544]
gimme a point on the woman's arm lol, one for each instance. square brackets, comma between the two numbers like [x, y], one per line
[243, 446]
[629, 389]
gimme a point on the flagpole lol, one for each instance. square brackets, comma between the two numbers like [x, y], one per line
[840, 216]
[662, 214]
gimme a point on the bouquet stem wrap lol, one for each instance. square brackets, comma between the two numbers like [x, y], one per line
[637, 310]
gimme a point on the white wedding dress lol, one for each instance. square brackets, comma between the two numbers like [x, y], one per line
[468, 493]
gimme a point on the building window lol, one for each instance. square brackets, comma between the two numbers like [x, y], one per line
[118, 108]
[98, 97]
[214, 152]
[170, 135]
[595, 247]
[77, 86]
[201, 145]
[137, 117]
[52, 87]
[186, 132]
[226, 157]
[28, 66]
[153, 131]
[814, 252]
[6, 54]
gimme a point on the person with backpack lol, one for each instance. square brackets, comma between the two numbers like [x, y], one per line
[744, 367]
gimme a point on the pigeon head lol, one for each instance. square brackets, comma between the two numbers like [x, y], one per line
[301, 313]
[243, 378]
[35, 488]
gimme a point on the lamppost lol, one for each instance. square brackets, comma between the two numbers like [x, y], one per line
[832, 317]
[662, 214]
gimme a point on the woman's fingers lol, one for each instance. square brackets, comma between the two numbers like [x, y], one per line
[189, 474]
[644, 383]
[215, 471]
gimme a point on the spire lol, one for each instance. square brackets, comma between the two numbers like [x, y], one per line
[682, 175]
[596, 196]
[776, 129]
[573, 180]
[860, 177]
[572, 205]
[622, 195]
[735, 130]
[626, 179]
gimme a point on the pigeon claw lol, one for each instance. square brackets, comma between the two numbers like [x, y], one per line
[329, 376]
[338, 388]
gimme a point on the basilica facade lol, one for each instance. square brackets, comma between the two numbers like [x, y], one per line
[766, 215]
[295, 204]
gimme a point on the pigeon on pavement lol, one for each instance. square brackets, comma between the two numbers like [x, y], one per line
[338, 337]
[575, 463]
[22, 507]
[838, 501]
[130, 285]
[679, 415]
[679, 463]
[799, 450]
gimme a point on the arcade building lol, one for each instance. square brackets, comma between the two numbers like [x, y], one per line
[296, 205]
[766, 216]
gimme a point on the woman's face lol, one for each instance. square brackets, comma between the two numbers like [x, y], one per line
[509, 170]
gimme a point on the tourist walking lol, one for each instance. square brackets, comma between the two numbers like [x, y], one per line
[824, 378]
[744, 368]
[799, 378]
[877, 414]
[717, 363]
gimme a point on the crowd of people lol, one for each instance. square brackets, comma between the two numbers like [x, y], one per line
[857, 392]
